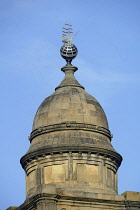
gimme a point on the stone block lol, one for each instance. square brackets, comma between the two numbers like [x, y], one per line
[131, 195]
[54, 173]
[87, 173]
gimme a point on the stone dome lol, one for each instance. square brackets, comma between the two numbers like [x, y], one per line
[70, 110]
[70, 120]
[70, 104]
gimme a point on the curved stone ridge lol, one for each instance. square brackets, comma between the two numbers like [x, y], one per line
[69, 126]
[43, 152]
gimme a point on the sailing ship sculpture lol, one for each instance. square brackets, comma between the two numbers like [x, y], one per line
[67, 31]
[68, 51]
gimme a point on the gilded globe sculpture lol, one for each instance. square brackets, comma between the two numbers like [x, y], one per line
[68, 51]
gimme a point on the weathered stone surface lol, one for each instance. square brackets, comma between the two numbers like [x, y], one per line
[71, 173]
[70, 104]
[47, 201]
[131, 195]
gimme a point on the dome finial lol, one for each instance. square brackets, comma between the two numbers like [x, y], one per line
[68, 51]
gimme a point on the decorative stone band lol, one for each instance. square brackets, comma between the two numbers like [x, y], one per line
[45, 151]
[69, 126]
[112, 201]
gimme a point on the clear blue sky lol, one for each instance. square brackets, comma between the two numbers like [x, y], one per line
[109, 69]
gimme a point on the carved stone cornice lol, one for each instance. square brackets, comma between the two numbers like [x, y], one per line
[41, 153]
[69, 126]
[55, 198]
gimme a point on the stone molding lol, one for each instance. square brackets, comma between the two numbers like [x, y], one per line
[55, 198]
[43, 152]
[69, 126]
[69, 79]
